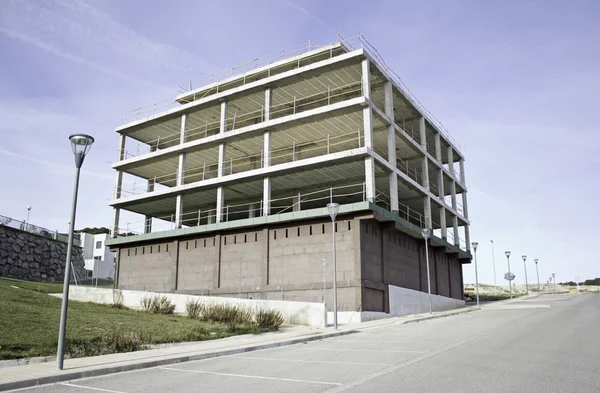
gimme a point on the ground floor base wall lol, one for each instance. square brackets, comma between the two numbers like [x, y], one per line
[405, 301]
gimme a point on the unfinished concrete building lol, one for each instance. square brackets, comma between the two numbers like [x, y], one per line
[231, 185]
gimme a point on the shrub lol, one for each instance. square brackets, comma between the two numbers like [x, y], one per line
[157, 305]
[111, 343]
[118, 300]
[231, 315]
[194, 309]
[269, 319]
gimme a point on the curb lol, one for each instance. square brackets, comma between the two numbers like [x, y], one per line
[438, 316]
[69, 375]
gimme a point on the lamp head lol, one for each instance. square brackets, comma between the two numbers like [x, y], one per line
[333, 209]
[81, 145]
[536, 261]
[425, 233]
[524, 257]
[507, 253]
[28, 207]
[474, 244]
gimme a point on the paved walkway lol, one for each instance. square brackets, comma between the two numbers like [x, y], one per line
[43, 373]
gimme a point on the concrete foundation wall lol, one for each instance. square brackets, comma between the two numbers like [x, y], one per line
[406, 301]
[298, 313]
[148, 267]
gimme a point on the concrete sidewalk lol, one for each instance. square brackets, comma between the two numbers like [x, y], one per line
[44, 373]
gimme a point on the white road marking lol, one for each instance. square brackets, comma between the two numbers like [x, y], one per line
[311, 361]
[90, 388]
[251, 376]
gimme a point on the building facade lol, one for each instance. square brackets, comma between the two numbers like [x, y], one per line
[232, 182]
[98, 258]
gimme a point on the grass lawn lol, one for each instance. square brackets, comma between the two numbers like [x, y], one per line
[29, 319]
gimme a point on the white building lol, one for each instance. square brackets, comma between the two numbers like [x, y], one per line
[99, 260]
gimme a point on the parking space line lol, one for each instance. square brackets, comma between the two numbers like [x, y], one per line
[311, 361]
[355, 350]
[251, 376]
[90, 388]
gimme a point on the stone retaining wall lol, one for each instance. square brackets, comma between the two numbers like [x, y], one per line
[30, 257]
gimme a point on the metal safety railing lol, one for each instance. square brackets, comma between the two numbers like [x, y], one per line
[47, 233]
[295, 151]
[238, 74]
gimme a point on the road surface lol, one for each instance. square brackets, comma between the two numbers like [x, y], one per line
[545, 344]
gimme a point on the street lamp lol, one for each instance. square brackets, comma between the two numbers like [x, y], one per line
[507, 253]
[333, 209]
[494, 267]
[27, 222]
[425, 233]
[537, 272]
[525, 264]
[81, 145]
[475, 244]
[554, 279]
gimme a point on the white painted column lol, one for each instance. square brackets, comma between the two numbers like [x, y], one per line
[368, 134]
[220, 164]
[296, 202]
[461, 164]
[443, 223]
[455, 230]
[391, 143]
[451, 161]
[266, 208]
[118, 185]
[180, 174]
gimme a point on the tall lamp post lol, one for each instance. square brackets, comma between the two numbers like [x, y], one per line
[494, 267]
[425, 233]
[554, 279]
[525, 265]
[81, 145]
[537, 272]
[333, 209]
[507, 253]
[475, 244]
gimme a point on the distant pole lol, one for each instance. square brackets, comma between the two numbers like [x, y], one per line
[80, 144]
[240, 288]
[27, 222]
[333, 209]
[494, 267]
[203, 264]
[554, 279]
[525, 265]
[425, 233]
[163, 275]
[507, 253]
[325, 287]
[537, 272]
[475, 244]
[282, 278]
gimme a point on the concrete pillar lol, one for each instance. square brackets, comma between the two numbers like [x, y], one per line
[438, 147]
[464, 203]
[252, 208]
[296, 201]
[370, 191]
[461, 164]
[118, 185]
[443, 223]
[148, 219]
[178, 210]
[366, 79]
[427, 212]
[222, 129]
[453, 194]
[424, 162]
[391, 143]
[266, 196]
[220, 202]
[455, 230]
[451, 160]
[267, 110]
[467, 238]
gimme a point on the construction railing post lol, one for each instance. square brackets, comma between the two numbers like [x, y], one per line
[325, 287]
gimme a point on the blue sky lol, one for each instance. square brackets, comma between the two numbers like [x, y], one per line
[515, 82]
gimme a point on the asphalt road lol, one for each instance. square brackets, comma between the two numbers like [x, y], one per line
[545, 344]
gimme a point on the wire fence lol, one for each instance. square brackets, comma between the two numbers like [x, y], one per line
[47, 233]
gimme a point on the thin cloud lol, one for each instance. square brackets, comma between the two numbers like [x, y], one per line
[308, 13]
